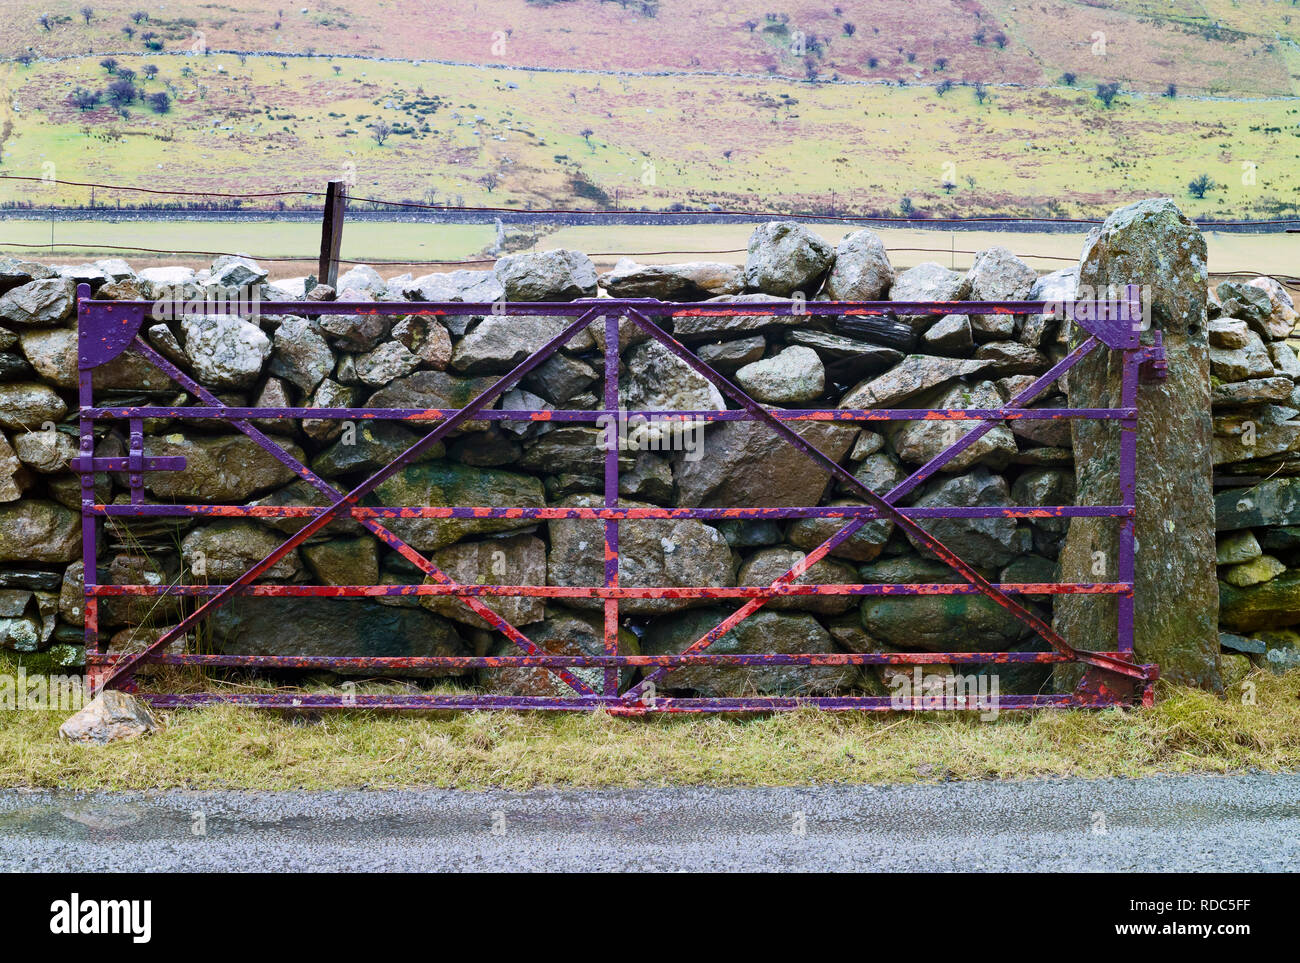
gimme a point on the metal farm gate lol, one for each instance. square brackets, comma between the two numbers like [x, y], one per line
[107, 328]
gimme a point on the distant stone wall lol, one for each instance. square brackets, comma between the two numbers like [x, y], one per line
[339, 360]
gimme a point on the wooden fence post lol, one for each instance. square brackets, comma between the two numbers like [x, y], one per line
[331, 235]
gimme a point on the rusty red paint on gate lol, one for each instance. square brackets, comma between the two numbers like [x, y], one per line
[108, 328]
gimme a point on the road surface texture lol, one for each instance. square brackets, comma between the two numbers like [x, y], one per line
[1235, 823]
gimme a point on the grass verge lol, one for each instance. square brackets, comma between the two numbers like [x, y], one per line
[223, 747]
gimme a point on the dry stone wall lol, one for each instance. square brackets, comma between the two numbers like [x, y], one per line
[340, 360]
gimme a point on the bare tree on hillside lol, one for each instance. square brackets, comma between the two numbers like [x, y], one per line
[122, 92]
[84, 99]
[380, 131]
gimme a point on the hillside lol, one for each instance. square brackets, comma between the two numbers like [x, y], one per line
[629, 110]
[1230, 46]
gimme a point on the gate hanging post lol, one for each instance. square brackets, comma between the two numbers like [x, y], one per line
[1151, 244]
[331, 233]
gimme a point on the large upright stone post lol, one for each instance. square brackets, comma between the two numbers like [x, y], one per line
[1152, 244]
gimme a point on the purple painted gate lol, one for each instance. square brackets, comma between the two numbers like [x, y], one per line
[107, 328]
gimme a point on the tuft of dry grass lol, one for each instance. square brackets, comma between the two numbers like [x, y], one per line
[225, 747]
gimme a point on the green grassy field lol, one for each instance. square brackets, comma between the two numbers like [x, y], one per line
[296, 242]
[525, 139]
[388, 246]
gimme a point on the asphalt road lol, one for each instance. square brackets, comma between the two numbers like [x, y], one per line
[1243, 823]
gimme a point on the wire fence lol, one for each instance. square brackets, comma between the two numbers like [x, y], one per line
[930, 222]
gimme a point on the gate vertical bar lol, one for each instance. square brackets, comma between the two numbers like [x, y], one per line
[613, 442]
[89, 527]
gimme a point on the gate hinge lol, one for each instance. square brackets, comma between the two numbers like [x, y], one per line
[1152, 359]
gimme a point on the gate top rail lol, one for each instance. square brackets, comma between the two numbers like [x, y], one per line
[1116, 322]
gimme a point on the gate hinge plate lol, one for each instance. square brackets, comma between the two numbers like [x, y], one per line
[1151, 358]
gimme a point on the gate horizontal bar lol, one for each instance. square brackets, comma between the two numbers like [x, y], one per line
[613, 704]
[593, 661]
[617, 592]
[623, 513]
[596, 414]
